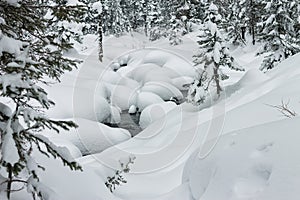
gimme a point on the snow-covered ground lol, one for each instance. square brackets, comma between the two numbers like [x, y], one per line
[240, 148]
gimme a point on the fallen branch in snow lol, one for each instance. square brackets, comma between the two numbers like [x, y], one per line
[118, 178]
[284, 109]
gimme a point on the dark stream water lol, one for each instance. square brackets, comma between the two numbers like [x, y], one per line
[130, 122]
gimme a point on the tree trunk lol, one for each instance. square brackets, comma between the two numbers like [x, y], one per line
[217, 79]
[145, 18]
[100, 34]
[244, 33]
[252, 21]
[9, 181]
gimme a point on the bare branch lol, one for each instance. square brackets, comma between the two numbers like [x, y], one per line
[284, 109]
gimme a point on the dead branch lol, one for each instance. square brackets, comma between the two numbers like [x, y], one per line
[284, 109]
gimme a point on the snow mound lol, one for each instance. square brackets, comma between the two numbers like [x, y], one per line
[155, 112]
[80, 102]
[139, 73]
[122, 96]
[145, 99]
[74, 151]
[165, 90]
[286, 67]
[252, 76]
[115, 116]
[132, 109]
[254, 163]
[182, 82]
[91, 137]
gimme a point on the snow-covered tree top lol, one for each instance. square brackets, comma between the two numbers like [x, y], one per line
[13, 2]
[97, 6]
[213, 7]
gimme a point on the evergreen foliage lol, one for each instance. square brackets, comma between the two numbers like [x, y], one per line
[33, 38]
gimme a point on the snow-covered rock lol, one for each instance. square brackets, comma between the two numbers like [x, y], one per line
[122, 96]
[182, 82]
[140, 72]
[115, 116]
[132, 109]
[81, 103]
[91, 137]
[155, 112]
[165, 90]
[60, 142]
[145, 99]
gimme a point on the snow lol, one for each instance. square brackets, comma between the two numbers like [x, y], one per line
[91, 137]
[165, 90]
[259, 158]
[212, 7]
[115, 116]
[78, 102]
[61, 142]
[5, 110]
[171, 140]
[145, 99]
[155, 112]
[9, 150]
[175, 158]
[132, 109]
[97, 6]
[13, 2]
[182, 82]
[122, 96]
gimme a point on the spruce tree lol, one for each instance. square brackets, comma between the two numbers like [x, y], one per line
[213, 55]
[279, 32]
[33, 37]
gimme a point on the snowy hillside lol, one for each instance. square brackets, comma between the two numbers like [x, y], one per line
[174, 154]
[149, 100]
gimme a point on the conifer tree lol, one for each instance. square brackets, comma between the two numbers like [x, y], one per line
[33, 37]
[212, 56]
[279, 32]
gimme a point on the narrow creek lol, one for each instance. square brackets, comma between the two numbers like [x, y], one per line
[130, 122]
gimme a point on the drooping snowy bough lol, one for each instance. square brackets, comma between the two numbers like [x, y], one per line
[33, 37]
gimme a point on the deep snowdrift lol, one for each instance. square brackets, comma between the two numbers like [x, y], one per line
[256, 155]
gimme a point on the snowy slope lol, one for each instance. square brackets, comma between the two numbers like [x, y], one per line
[163, 148]
[250, 161]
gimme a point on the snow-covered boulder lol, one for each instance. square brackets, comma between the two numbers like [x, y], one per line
[132, 109]
[60, 142]
[182, 82]
[80, 103]
[140, 72]
[154, 112]
[91, 137]
[122, 96]
[160, 74]
[145, 99]
[165, 90]
[115, 116]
